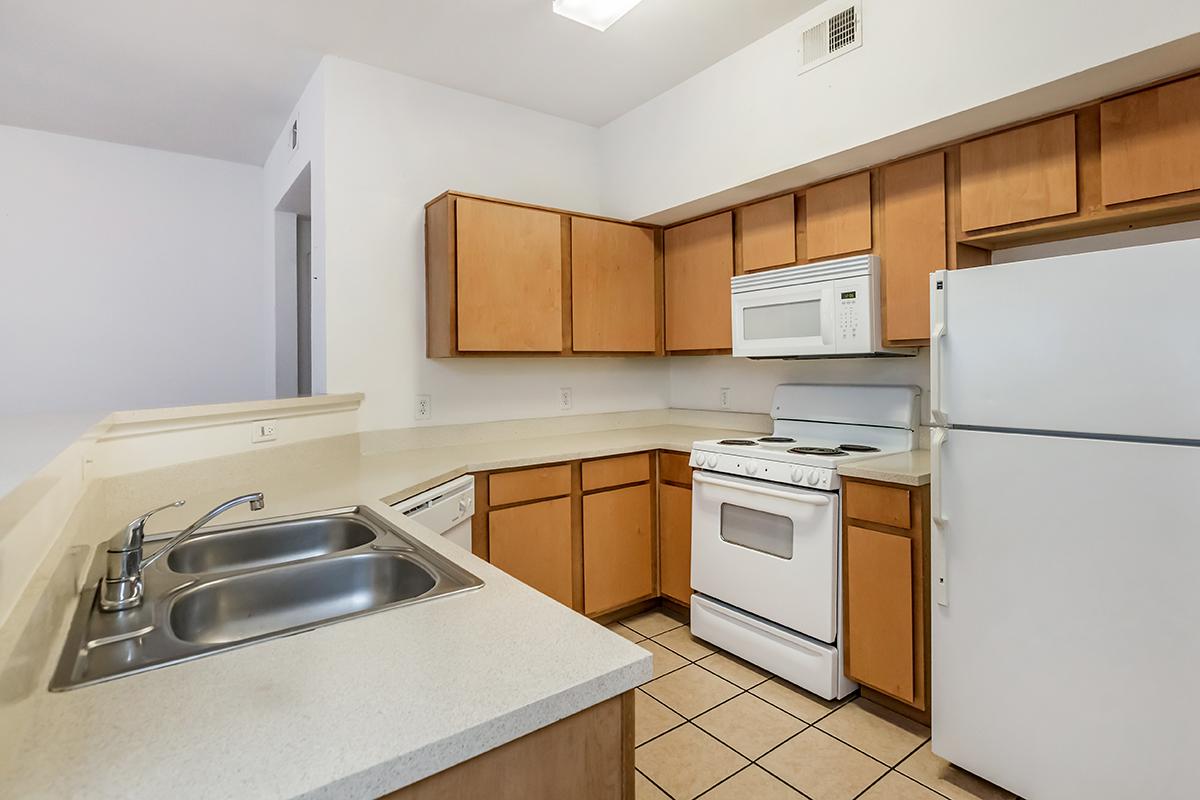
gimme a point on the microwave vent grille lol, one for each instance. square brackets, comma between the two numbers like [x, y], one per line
[833, 36]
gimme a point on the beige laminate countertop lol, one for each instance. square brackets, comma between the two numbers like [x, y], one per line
[911, 468]
[352, 710]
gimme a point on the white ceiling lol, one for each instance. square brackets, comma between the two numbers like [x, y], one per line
[218, 77]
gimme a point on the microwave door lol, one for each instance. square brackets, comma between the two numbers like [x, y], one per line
[791, 321]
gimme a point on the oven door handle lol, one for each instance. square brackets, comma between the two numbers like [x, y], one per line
[811, 499]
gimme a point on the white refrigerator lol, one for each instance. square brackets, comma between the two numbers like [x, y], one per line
[1065, 503]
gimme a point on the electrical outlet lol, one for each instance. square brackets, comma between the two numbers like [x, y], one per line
[725, 391]
[424, 409]
[264, 430]
[564, 399]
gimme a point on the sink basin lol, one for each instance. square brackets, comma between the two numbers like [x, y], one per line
[257, 603]
[264, 544]
[240, 585]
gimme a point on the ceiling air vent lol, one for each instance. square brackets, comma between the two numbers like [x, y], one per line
[838, 33]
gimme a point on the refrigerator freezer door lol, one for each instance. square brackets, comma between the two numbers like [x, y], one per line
[1065, 658]
[1100, 343]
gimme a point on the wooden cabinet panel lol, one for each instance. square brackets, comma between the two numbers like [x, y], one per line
[1019, 175]
[528, 484]
[674, 467]
[1150, 142]
[605, 472]
[768, 233]
[617, 554]
[698, 264]
[879, 613]
[613, 297]
[675, 542]
[885, 505]
[839, 216]
[533, 544]
[913, 242]
[509, 278]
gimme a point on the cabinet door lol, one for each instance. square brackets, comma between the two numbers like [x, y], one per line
[612, 287]
[1019, 175]
[879, 613]
[838, 216]
[616, 548]
[509, 278]
[768, 233]
[533, 544]
[913, 242]
[1150, 142]
[675, 542]
[698, 263]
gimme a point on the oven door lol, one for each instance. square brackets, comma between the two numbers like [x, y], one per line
[768, 549]
[785, 321]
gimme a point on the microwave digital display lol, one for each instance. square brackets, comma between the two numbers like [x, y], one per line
[849, 295]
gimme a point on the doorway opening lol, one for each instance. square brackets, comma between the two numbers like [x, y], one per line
[294, 289]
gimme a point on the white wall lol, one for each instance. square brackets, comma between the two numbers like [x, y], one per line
[392, 144]
[929, 71]
[129, 278]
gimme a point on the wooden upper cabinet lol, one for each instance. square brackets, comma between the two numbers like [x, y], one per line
[768, 233]
[1150, 143]
[914, 243]
[1019, 175]
[613, 297]
[509, 278]
[839, 216]
[617, 548]
[698, 264]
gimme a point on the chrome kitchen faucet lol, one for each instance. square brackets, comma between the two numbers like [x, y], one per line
[121, 587]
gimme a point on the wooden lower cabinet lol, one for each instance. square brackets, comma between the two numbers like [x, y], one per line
[675, 542]
[533, 544]
[618, 548]
[885, 549]
[588, 756]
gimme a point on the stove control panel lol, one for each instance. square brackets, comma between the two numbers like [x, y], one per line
[764, 469]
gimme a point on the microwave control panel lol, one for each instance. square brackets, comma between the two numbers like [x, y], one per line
[852, 306]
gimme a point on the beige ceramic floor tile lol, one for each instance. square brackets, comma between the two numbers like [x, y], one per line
[681, 641]
[643, 789]
[687, 761]
[651, 623]
[895, 786]
[822, 767]
[749, 725]
[944, 777]
[628, 633]
[690, 691]
[650, 717]
[752, 783]
[734, 669]
[664, 660]
[794, 700]
[875, 730]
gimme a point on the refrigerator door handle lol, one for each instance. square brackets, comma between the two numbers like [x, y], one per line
[937, 321]
[938, 517]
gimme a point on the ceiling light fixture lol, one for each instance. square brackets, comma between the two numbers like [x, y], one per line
[598, 14]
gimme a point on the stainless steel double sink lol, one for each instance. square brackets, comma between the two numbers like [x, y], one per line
[236, 585]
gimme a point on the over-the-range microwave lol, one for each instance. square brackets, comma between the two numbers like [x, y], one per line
[829, 309]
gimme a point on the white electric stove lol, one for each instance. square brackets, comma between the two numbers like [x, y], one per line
[766, 527]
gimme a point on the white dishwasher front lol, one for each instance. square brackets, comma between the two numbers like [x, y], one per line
[446, 509]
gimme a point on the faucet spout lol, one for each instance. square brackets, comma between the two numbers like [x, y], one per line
[122, 585]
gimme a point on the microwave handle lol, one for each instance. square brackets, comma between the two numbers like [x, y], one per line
[937, 323]
[811, 499]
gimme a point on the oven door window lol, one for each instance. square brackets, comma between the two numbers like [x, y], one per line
[757, 530]
[794, 320]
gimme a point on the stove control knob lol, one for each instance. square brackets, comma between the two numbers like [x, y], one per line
[813, 477]
[751, 468]
[797, 474]
[712, 460]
